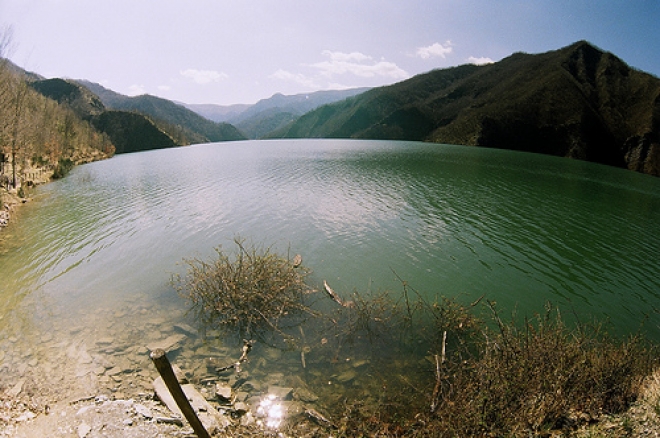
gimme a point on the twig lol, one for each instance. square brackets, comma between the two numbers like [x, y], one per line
[436, 389]
[477, 301]
[247, 347]
[444, 345]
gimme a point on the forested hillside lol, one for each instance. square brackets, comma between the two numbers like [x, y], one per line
[271, 114]
[577, 102]
[129, 131]
[40, 137]
[182, 124]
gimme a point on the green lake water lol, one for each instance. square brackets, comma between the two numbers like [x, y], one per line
[90, 261]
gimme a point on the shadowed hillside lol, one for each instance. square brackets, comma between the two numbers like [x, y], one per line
[131, 132]
[83, 102]
[577, 102]
[42, 138]
[128, 131]
[190, 126]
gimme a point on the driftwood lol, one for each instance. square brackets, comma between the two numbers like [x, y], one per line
[335, 297]
[313, 414]
[438, 375]
[165, 369]
[247, 347]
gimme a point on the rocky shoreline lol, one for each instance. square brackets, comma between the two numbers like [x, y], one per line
[95, 378]
[104, 384]
[10, 201]
[8, 204]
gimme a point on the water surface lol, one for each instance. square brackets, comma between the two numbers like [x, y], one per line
[92, 257]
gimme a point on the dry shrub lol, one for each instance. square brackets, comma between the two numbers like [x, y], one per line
[459, 375]
[539, 378]
[250, 293]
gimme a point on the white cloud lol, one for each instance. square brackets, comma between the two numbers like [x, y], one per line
[358, 64]
[164, 87]
[136, 90]
[479, 61]
[434, 50]
[203, 76]
[345, 57]
[298, 78]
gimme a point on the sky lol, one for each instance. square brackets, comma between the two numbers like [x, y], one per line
[240, 51]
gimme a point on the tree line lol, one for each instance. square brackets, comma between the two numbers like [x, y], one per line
[37, 133]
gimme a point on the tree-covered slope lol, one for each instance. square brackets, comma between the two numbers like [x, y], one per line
[576, 102]
[279, 110]
[82, 101]
[42, 136]
[193, 127]
[131, 132]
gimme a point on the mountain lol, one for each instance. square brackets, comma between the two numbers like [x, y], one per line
[217, 113]
[41, 137]
[278, 110]
[265, 122]
[128, 131]
[6, 64]
[82, 101]
[578, 102]
[191, 127]
[131, 132]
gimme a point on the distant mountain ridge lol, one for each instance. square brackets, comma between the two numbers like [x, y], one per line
[578, 102]
[217, 113]
[270, 114]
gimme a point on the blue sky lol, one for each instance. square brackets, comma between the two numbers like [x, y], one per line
[225, 52]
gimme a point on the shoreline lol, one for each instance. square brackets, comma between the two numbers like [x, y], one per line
[11, 202]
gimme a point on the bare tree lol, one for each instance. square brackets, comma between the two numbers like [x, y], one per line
[18, 96]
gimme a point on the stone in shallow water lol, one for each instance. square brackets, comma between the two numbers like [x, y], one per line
[114, 371]
[186, 330]
[305, 395]
[16, 389]
[347, 376]
[360, 363]
[84, 429]
[242, 396]
[281, 392]
[168, 344]
[104, 341]
[223, 393]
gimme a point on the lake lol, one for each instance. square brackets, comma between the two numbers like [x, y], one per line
[86, 272]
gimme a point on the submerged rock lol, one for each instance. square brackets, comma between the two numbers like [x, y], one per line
[347, 376]
[282, 393]
[305, 395]
[223, 393]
